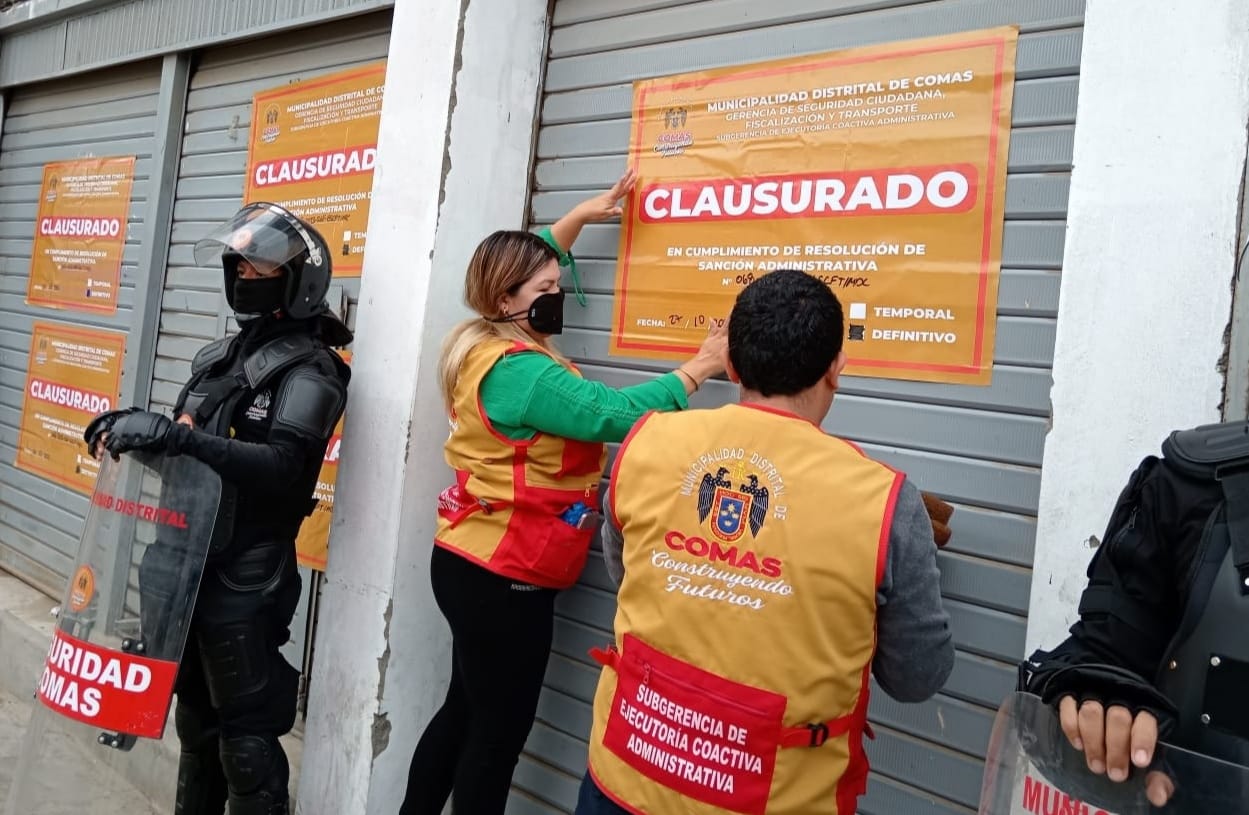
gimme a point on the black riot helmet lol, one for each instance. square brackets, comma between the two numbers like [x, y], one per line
[272, 239]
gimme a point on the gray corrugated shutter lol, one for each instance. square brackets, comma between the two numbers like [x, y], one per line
[112, 113]
[214, 165]
[980, 445]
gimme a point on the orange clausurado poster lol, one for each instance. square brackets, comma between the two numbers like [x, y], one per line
[313, 542]
[80, 234]
[879, 170]
[313, 148]
[74, 373]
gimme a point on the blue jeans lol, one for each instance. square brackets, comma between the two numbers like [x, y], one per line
[592, 801]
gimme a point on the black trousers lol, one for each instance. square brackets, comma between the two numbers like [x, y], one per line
[501, 640]
[236, 693]
[593, 801]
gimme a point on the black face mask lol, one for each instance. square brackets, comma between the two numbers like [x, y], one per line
[259, 296]
[545, 314]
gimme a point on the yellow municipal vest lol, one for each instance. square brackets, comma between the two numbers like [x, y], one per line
[504, 510]
[746, 625]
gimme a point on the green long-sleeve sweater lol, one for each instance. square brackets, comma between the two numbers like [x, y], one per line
[529, 393]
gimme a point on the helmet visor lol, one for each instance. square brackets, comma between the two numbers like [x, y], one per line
[262, 234]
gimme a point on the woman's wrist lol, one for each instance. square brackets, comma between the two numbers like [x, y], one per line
[698, 371]
[694, 381]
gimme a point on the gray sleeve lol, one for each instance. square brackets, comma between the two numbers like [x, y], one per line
[613, 543]
[915, 650]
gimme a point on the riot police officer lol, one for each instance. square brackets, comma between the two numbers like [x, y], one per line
[259, 409]
[1159, 650]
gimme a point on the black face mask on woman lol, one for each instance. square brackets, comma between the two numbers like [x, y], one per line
[545, 314]
[259, 296]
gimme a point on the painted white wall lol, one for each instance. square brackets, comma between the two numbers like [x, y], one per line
[454, 151]
[1152, 229]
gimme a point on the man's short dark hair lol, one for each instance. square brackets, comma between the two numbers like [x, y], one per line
[785, 331]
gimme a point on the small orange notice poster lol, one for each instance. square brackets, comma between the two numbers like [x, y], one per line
[313, 148]
[313, 542]
[80, 234]
[74, 373]
[879, 170]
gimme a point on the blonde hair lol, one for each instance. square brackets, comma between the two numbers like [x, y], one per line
[502, 263]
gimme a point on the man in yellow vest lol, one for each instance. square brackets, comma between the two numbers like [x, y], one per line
[766, 569]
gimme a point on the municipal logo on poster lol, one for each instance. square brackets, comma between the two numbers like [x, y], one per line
[269, 134]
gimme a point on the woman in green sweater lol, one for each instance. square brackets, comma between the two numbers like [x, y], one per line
[526, 444]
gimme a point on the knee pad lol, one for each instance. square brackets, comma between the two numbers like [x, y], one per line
[262, 803]
[202, 788]
[255, 765]
[201, 785]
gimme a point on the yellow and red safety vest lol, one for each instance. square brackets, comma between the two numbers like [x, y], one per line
[504, 511]
[738, 681]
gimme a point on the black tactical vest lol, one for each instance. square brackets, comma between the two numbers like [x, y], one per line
[212, 395]
[223, 373]
[1206, 669]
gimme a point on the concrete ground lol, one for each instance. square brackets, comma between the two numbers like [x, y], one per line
[68, 776]
[108, 782]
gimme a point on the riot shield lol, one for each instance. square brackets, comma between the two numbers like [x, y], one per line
[1032, 769]
[103, 698]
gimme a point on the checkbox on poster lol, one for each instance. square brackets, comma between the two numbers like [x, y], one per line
[858, 311]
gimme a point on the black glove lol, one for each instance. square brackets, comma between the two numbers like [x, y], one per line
[1110, 685]
[103, 424]
[141, 430]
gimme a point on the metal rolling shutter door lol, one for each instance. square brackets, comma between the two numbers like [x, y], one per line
[980, 446]
[111, 113]
[213, 166]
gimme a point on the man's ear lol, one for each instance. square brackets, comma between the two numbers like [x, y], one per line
[834, 370]
[731, 371]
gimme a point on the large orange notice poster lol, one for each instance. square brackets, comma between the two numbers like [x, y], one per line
[313, 148]
[881, 171]
[312, 545]
[74, 374]
[80, 234]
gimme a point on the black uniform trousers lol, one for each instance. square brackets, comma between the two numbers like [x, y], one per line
[236, 693]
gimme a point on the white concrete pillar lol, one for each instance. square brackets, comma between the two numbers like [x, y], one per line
[1145, 298]
[454, 154]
